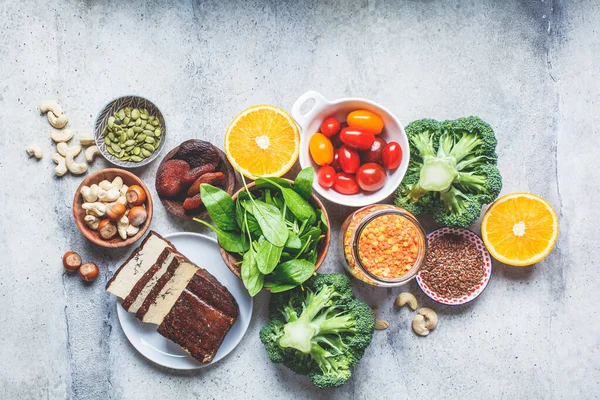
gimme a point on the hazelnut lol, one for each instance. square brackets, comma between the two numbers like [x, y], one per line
[89, 272]
[71, 261]
[114, 211]
[137, 215]
[107, 229]
[136, 196]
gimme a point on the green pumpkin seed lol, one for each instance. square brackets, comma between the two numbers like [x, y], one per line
[125, 158]
[123, 137]
[130, 142]
[143, 116]
[121, 113]
[148, 147]
[137, 129]
[148, 133]
[126, 120]
[136, 158]
[107, 141]
[111, 121]
[116, 148]
[111, 136]
[155, 122]
[130, 133]
[149, 140]
[129, 148]
[135, 114]
[149, 127]
[141, 137]
[157, 132]
[139, 122]
[122, 153]
[136, 150]
[146, 153]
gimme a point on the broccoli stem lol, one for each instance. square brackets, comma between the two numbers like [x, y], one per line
[437, 174]
[465, 145]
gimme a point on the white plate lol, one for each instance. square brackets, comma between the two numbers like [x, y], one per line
[204, 252]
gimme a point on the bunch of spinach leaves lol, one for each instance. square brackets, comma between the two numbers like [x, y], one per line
[275, 229]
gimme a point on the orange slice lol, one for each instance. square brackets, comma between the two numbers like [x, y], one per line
[262, 140]
[520, 229]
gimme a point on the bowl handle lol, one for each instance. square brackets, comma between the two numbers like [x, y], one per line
[304, 119]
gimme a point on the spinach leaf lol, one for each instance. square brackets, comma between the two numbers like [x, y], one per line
[230, 241]
[293, 242]
[273, 182]
[304, 181]
[252, 278]
[277, 287]
[298, 206]
[220, 206]
[293, 271]
[323, 219]
[313, 233]
[267, 255]
[270, 220]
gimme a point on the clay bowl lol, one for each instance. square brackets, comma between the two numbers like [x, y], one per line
[79, 213]
[233, 260]
[175, 206]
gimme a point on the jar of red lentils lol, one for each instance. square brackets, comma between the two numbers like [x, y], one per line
[384, 245]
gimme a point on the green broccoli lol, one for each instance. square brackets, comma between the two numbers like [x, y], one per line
[452, 171]
[320, 330]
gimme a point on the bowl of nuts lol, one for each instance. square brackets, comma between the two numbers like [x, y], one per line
[130, 131]
[112, 208]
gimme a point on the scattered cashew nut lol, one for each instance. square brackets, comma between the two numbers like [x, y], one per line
[64, 149]
[34, 150]
[52, 106]
[381, 324]
[74, 167]
[96, 209]
[89, 193]
[91, 153]
[61, 167]
[122, 226]
[418, 325]
[57, 122]
[61, 136]
[407, 298]
[430, 316]
[91, 221]
[86, 140]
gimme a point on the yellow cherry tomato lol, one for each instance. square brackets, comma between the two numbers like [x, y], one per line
[365, 119]
[321, 149]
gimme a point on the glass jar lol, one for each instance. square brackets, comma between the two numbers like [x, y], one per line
[383, 245]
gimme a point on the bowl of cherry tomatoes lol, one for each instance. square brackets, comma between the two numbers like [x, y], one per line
[358, 148]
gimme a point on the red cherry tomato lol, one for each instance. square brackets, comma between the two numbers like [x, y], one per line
[326, 176]
[330, 126]
[336, 160]
[374, 153]
[371, 177]
[357, 138]
[336, 141]
[365, 119]
[345, 184]
[348, 159]
[321, 149]
[391, 156]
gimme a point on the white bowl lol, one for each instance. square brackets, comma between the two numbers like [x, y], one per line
[309, 118]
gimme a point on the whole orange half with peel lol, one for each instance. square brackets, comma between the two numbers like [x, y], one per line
[520, 229]
[262, 141]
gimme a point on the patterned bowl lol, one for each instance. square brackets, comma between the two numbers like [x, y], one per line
[114, 106]
[487, 267]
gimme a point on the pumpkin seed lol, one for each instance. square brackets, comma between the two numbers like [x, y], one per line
[141, 137]
[148, 133]
[111, 121]
[123, 137]
[126, 120]
[148, 147]
[111, 136]
[143, 116]
[149, 139]
[125, 158]
[135, 114]
[136, 150]
[130, 142]
[121, 113]
[116, 148]
[137, 129]
[146, 153]
[157, 132]
[130, 133]
[128, 149]
[149, 127]
[136, 158]
[155, 122]
[107, 141]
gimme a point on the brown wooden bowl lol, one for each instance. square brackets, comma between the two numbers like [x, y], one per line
[175, 206]
[79, 213]
[233, 260]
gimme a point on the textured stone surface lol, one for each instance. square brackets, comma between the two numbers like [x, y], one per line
[528, 67]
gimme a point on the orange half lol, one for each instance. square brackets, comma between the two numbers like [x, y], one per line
[262, 140]
[520, 229]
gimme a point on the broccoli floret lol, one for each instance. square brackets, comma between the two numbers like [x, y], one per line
[452, 171]
[320, 329]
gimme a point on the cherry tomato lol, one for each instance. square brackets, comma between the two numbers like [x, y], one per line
[371, 177]
[336, 141]
[330, 126]
[374, 153]
[357, 138]
[348, 159]
[336, 160]
[365, 119]
[391, 156]
[345, 184]
[326, 176]
[321, 149]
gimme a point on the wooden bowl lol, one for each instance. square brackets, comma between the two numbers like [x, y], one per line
[233, 260]
[175, 206]
[79, 213]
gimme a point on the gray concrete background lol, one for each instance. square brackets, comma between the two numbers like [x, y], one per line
[530, 68]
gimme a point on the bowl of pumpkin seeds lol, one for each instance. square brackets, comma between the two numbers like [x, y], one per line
[130, 131]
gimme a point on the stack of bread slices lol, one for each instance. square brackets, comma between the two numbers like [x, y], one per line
[189, 305]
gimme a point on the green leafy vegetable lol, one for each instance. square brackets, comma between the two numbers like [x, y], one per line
[220, 206]
[293, 271]
[276, 287]
[252, 278]
[304, 181]
[267, 255]
[230, 241]
[270, 221]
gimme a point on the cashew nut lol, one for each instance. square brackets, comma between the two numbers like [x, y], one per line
[74, 167]
[96, 209]
[61, 136]
[430, 316]
[89, 193]
[407, 298]
[34, 150]
[117, 182]
[132, 230]
[108, 196]
[86, 140]
[124, 189]
[64, 149]
[57, 122]
[122, 226]
[91, 153]
[418, 325]
[122, 199]
[91, 221]
[105, 185]
[61, 167]
[52, 106]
